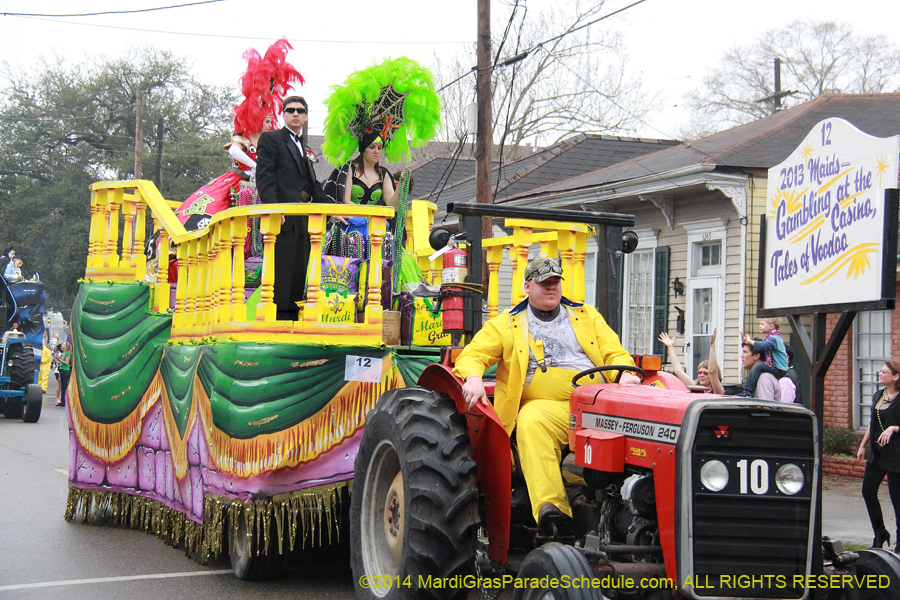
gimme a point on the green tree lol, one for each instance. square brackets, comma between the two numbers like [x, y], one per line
[69, 125]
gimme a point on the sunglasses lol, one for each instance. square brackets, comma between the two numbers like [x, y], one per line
[299, 111]
[544, 271]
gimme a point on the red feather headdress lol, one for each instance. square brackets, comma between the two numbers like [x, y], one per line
[264, 86]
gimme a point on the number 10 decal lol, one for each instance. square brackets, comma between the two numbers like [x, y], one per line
[759, 476]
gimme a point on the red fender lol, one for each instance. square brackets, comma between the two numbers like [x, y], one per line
[491, 451]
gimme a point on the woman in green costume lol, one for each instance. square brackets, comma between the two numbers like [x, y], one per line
[372, 184]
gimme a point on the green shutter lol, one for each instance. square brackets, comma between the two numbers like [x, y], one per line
[661, 300]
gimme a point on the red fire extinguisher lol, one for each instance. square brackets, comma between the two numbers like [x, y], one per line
[454, 270]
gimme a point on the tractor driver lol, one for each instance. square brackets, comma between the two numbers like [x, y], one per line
[559, 338]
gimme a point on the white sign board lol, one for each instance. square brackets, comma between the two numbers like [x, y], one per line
[824, 242]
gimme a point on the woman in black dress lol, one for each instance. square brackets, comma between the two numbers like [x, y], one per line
[883, 437]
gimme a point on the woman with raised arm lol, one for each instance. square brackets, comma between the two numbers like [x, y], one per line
[884, 452]
[705, 376]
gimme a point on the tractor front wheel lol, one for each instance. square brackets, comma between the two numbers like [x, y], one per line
[414, 506]
[556, 561]
[34, 401]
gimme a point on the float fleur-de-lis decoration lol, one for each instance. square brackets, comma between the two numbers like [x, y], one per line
[336, 303]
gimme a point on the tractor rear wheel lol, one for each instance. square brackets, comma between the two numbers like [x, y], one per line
[556, 561]
[21, 371]
[34, 401]
[414, 506]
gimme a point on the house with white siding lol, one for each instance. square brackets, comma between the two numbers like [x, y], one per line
[697, 207]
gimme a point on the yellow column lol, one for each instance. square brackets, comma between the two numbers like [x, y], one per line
[580, 252]
[238, 234]
[269, 226]
[212, 276]
[190, 305]
[226, 246]
[373, 301]
[566, 241]
[181, 289]
[494, 258]
[162, 289]
[317, 224]
[202, 280]
[518, 254]
[139, 257]
[128, 233]
[112, 232]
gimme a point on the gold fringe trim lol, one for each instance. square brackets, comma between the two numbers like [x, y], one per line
[178, 444]
[299, 444]
[111, 442]
[308, 515]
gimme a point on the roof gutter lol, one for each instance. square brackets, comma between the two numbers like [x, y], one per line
[654, 182]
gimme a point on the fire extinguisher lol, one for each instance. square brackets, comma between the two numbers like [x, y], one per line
[454, 271]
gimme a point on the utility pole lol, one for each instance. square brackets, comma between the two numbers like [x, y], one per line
[483, 140]
[778, 95]
[160, 130]
[138, 109]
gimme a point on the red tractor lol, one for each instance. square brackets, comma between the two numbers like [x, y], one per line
[673, 493]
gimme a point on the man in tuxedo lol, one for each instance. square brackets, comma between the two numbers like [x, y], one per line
[284, 174]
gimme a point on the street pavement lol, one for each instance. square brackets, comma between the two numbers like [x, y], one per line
[44, 557]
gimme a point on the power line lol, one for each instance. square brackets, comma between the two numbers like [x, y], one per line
[110, 12]
[522, 55]
[240, 37]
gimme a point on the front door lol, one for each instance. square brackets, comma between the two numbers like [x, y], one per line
[703, 316]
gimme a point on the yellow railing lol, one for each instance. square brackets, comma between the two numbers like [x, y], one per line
[210, 296]
[210, 293]
[569, 240]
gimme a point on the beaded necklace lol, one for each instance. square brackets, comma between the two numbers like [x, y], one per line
[882, 402]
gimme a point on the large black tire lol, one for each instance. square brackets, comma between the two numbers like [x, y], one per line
[414, 505]
[880, 564]
[251, 562]
[12, 408]
[21, 371]
[557, 561]
[34, 401]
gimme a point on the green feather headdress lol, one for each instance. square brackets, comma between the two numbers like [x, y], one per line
[395, 98]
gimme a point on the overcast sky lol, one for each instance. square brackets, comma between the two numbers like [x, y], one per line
[671, 43]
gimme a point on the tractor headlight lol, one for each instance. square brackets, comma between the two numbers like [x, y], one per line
[714, 475]
[789, 479]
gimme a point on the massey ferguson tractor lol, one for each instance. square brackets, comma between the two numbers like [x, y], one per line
[674, 493]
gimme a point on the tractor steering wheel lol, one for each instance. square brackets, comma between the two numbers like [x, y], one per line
[620, 368]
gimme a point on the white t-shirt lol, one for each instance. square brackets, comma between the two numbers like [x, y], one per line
[561, 347]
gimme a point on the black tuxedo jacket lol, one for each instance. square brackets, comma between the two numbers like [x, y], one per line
[283, 174]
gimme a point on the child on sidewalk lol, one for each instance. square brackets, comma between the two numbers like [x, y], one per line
[776, 361]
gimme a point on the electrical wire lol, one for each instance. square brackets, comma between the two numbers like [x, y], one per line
[109, 12]
[547, 41]
[242, 37]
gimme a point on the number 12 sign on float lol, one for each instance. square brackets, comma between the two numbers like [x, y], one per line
[824, 242]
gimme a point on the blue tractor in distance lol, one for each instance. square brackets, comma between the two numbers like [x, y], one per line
[21, 320]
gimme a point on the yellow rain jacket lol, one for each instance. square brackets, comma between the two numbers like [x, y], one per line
[505, 339]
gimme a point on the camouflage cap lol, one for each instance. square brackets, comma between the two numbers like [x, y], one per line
[542, 268]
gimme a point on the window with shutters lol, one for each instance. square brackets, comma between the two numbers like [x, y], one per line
[645, 274]
[639, 302]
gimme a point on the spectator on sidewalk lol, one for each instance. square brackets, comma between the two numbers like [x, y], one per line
[790, 383]
[884, 452]
[775, 360]
[767, 385]
[705, 377]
